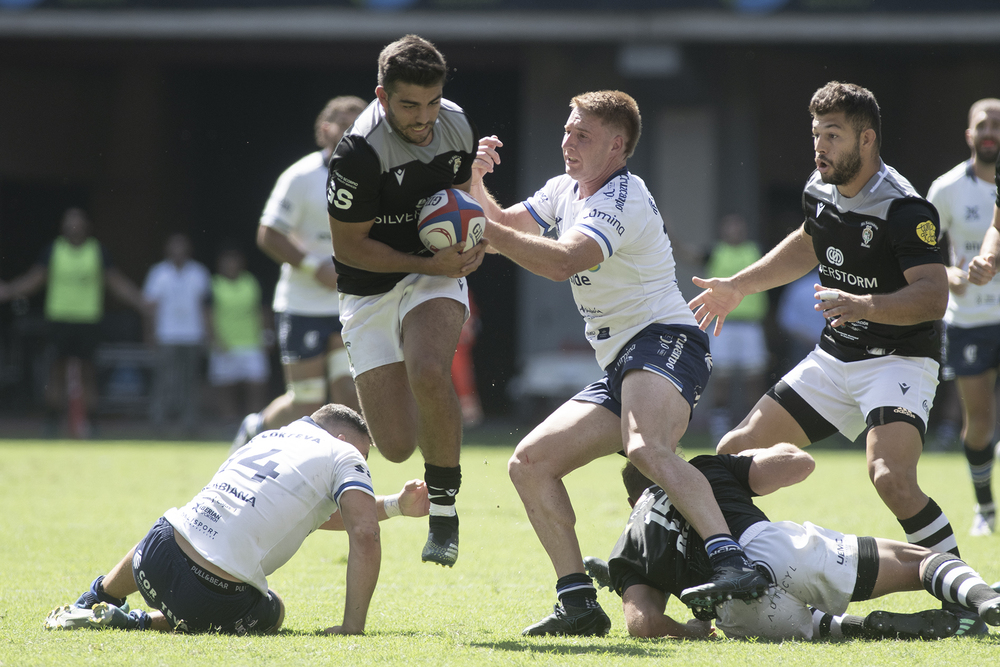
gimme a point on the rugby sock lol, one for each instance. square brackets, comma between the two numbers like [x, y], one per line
[981, 470]
[930, 528]
[723, 551]
[950, 579]
[827, 626]
[442, 487]
[577, 590]
[97, 594]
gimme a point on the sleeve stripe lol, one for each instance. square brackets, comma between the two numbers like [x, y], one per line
[538, 218]
[353, 484]
[597, 236]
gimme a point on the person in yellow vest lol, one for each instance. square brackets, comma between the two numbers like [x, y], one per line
[76, 268]
[237, 360]
[739, 353]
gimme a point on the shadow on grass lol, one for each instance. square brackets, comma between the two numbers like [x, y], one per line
[640, 648]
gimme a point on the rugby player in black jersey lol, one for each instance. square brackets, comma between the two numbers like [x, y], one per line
[403, 307]
[884, 288]
[818, 571]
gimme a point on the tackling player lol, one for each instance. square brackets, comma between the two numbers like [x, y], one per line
[204, 567]
[818, 571]
[295, 232]
[613, 248]
[401, 306]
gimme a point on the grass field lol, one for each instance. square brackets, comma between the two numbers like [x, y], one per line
[71, 510]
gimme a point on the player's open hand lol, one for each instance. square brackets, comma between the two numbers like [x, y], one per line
[413, 499]
[839, 308]
[982, 268]
[718, 300]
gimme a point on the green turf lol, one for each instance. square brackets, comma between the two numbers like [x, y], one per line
[71, 510]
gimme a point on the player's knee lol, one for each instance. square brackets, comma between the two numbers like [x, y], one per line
[639, 624]
[733, 442]
[428, 377]
[519, 469]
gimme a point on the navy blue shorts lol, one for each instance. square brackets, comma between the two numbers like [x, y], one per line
[971, 351]
[192, 599]
[677, 352]
[304, 336]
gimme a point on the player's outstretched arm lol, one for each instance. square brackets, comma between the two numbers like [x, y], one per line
[555, 259]
[644, 617]
[285, 249]
[412, 500]
[778, 466]
[789, 260]
[363, 560]
[983, 267]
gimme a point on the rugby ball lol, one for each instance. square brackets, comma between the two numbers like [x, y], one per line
[449, 217]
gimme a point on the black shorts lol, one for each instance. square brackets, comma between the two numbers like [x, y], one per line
[679, 353]
[971, 351]
[191, 599]
[304, 336]
[74, 339]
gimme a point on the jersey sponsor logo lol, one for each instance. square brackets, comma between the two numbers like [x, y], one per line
[580, 281]
[868, 233]
[399, 175]
[610, 219]
[904, 412]
[848, 278]
[972, 212]
[410, 218]
[619, 192]
[239, 494]
[834, 256]
[604, 333]
[927, 232]
[341, 198]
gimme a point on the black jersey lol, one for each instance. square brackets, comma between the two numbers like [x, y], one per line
[659, 548]
[864, 244]
[375, 175]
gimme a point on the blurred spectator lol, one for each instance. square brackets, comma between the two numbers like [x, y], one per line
[463, 370]
[800, 323]
[237, 360]
[179, 291]
[76, 268]
[739, 353]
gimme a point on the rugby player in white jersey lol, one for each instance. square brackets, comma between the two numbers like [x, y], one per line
[295, 232]
[613, 248]
[964, 199]
[203, 567]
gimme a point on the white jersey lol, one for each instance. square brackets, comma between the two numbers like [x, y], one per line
[635, 285]
[267, 497]
[965, 203]
[297, 208]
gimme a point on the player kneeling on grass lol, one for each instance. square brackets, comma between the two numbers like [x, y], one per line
[817, 571]
[204, 567]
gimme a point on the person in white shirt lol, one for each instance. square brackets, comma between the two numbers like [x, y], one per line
[964, 199]
[294, 231]
[203, 567]
[179, 291]
[613, 248]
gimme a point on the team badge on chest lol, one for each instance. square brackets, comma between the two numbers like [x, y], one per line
[868, 233]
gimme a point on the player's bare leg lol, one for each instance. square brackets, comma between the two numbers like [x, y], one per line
[978, 419]
[654, 417]
[388, 406]
[767, 424]
[430, 334]
[572, 436]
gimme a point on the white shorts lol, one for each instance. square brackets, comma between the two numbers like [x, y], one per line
[239, 365]
[811, 566]
[739, 346]
[373, 324]
[844, 393]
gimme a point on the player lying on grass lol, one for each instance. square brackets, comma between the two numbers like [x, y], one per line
[816, 571]
[204, 567]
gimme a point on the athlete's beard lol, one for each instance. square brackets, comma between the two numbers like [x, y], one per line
[391, 117]
[987, 155]
[846, 168]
